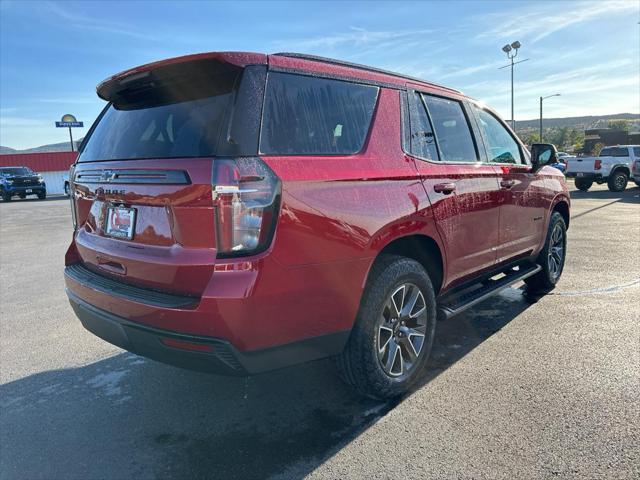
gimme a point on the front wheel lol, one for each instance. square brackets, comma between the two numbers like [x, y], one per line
[551, 258]
[583, 185]
[617, 181]
[42, 195]
[393, 333]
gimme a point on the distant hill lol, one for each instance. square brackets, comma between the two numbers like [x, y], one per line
[52, 147]
[580, 123]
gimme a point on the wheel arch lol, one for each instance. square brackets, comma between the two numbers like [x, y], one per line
[422, 248]
[623, 167]
[562, 206]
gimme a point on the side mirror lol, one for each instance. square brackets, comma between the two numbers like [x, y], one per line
[543, 154]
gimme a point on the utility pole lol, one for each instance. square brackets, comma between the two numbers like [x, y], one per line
[512, 52]
[541, 99]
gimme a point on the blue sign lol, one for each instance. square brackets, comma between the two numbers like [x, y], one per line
[69, 124]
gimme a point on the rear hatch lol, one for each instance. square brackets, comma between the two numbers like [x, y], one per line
[142, 186]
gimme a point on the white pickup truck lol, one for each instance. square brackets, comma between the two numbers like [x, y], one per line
[613, 166]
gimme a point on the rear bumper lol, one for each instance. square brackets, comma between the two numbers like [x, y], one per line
[214, 355]
[584, 175]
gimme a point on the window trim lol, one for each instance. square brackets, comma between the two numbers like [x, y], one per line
[524, 159]
[367, 136]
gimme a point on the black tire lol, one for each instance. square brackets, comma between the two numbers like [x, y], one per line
[67, 190]
[547, 278]
[6, 197]
[617, 181]
[583, 185]
[42, 195]
[361, 363]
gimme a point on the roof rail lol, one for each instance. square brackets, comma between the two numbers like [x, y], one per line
[359, 66]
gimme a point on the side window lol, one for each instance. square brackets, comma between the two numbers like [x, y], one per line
[636, 152]
[423, 142]
[453, 134]
[315, 116]
[501, 146]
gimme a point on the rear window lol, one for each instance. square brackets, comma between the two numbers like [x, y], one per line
[195, 111]
[315, 116]
[614, 152]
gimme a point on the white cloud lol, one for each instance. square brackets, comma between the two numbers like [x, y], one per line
[541, 21]
[92, 23]
[356, 36]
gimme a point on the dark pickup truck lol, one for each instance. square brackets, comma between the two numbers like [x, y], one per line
[21, 181]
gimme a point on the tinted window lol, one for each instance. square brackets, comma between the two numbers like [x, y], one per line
[306, 115]
[636, 151]
[184, 111]
[422, 139]
[614, 152]
[453, 134]
[185, 129]
[501, 146]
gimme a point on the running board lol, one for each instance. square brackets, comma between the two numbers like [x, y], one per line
[459, 300]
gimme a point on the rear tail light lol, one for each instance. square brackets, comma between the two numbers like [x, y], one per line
[597, 164]
[72, 199]
[246, 197]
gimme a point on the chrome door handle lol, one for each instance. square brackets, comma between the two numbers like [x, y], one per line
[507, 183]
[445, 188]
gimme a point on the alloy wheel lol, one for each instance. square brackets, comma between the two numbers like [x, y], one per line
[401, 330]
[556, 252]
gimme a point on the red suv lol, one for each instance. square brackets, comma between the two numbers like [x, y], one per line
[240, 212]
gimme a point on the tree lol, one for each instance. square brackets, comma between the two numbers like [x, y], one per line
[624, 125]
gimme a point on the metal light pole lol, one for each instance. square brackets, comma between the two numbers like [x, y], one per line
[512, 52]
[541, 99]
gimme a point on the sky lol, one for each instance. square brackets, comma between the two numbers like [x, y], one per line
[53, 54]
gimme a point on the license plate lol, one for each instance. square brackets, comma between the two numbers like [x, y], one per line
[580, 174]
[29, 190]
[120, 222]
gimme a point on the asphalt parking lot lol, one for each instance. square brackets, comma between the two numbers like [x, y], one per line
[516, 389]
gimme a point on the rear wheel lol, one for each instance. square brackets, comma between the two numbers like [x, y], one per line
[582, 184]
[6, 197]
[42, 195]
[618, 181]
[551, 258]
[392, 337]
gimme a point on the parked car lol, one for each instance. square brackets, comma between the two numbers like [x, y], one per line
[612, 166]
[560, 166]
[67, 187]
[238, 212]
[21, 181]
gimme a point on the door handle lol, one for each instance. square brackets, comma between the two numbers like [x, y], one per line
[445, 188]
[507, 183]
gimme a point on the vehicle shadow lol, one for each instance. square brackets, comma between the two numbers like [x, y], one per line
[127, 417]
[630, 195]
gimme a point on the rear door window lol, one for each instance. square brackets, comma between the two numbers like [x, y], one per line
[636, 152]
[501, 146]
[453, 134]
[315, 116]
[422, 143]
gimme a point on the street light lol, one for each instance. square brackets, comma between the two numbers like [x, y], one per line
[541, 99]
[512, 52]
